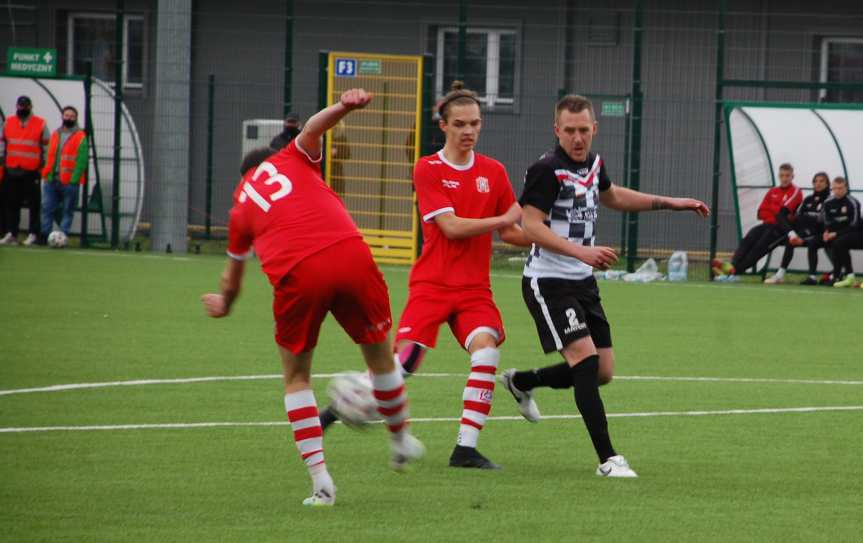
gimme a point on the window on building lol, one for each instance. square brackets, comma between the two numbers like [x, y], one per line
[842, 62]
[489, 64]
[92, 38]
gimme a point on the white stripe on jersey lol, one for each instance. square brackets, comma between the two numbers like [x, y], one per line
[432, 214]
[256, 197]
[247, 255]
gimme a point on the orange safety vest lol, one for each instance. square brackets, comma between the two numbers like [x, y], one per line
[68, 157]
[24, 143]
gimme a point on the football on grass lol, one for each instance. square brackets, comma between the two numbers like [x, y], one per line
[352, 398]
[57, 239]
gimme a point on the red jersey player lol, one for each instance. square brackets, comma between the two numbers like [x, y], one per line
[298, 227]
[463, 198]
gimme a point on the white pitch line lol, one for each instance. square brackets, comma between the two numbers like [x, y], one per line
[141, 382]
[194, 425]
[741, 380]
[187, 380]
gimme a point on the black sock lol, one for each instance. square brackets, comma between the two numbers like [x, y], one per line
[586, 381]
[327, 417]
[556, 376]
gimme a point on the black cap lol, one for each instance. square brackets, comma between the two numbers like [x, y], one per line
[24, 101]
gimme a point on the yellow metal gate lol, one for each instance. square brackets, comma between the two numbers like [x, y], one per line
[371, 153]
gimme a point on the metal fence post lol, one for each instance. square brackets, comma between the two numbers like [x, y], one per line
[635, 155]
[208, 208]
[289, 58]
[717, 130]
[118, 117]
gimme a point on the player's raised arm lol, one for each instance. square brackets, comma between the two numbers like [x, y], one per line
[624, 199]
[310, 138]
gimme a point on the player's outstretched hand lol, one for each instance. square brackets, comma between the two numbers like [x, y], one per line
[355, 98]
[599, 257]
[214, 305]
[684, 204]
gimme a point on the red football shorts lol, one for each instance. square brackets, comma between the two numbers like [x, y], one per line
[342, 279]
[467, 311]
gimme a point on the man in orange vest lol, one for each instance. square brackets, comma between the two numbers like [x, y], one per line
[22, 152]
[65, 170]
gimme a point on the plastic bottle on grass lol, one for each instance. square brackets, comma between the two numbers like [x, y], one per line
[677, 266]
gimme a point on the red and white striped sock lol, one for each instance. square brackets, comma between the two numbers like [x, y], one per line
[389, 390]
[303, 415]
[478, 393]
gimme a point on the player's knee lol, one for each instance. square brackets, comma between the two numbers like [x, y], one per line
[578, 350]
[482, 341]
[605, 377]
[409, 356]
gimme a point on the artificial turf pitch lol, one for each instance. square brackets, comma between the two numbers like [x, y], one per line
[710, 407]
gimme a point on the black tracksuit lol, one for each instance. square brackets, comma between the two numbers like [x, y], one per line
[842, 216]
[809, 227]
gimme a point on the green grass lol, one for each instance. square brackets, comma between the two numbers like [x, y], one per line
[92, 317]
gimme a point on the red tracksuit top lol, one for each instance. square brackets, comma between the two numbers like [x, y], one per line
[776, 198]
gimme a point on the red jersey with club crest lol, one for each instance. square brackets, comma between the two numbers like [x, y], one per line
[476, 190]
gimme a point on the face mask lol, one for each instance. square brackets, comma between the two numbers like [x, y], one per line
[69, 123]
[22, 113]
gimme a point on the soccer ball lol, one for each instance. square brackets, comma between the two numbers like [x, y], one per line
[352, 398]
[57, 239]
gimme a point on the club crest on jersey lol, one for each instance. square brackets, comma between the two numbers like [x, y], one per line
[449, 184]
[482, 184]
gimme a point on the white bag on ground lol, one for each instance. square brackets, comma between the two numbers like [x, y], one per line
[645, 273]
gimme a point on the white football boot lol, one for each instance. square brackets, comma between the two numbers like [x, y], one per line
[526, 404]
[405, 450]
[616, 466]
[31, 240]
[8, 239]
[325, 491]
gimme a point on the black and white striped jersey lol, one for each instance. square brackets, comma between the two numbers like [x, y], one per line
[568, 192]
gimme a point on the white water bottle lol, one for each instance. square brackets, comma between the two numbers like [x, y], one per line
[677, 266]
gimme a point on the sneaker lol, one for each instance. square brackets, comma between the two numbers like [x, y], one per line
[773, 280]
[8, 239]
[31, 240]
[826, 280]
[321, 497]
[722, 268]
[809, 281]
[469, 457]
[526, 404]
[616, 466]
[847, 281]
[405, 451]
[727, 278]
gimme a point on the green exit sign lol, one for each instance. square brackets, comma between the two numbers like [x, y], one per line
[370, 66]
[31, 61]
[613, 109]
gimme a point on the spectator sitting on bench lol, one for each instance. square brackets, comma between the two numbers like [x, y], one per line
[843, 231]
[808, 231]
[776, 213]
